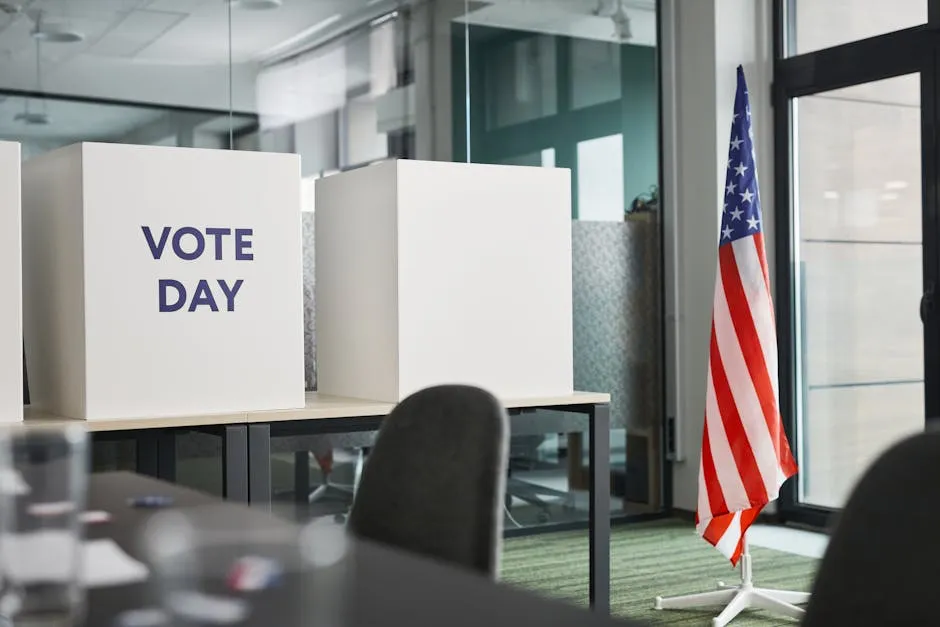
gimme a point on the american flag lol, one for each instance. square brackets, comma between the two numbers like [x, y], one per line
[745, 454]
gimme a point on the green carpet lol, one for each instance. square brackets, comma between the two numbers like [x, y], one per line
[649, 559]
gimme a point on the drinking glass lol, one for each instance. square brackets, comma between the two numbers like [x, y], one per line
[43, 486]
[228, 564]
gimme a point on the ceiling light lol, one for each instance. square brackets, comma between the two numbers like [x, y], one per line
[896, 185]
[56, 35]
[33, 119]
[288, 46]
[621, 20]
[255, 5]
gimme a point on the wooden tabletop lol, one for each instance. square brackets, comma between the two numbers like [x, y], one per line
[36, 417]
[317, 407]
[321, 406]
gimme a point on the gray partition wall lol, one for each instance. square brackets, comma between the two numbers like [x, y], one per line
[617, 315]
[310, 323]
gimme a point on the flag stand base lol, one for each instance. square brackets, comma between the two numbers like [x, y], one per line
[740, 597]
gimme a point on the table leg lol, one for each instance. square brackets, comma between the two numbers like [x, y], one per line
[599, 516]
[166, 451]
[259, 465]
[235, 462]
[301, 476]
[148, 453]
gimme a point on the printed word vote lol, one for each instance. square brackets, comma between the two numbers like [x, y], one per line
[189, 244]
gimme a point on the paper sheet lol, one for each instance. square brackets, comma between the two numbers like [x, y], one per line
[43, 556]
[106, 564]
[12, 482]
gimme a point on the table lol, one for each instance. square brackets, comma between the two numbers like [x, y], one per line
[326, 414]
[247, 451]
[389, 586]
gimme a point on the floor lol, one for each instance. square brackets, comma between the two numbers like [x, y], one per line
[660, 558]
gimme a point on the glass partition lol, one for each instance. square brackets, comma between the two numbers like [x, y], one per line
[345, 83]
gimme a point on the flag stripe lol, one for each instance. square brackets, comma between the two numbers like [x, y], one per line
[751, 400]
[752, 376]
[741, 451]
[713, 491]
[724, 479]
[763, 314]
[726, 473]
[725, 533]
[762, 304]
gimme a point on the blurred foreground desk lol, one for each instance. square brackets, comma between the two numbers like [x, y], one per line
[246, 450]
[387, 587]
[326, 415]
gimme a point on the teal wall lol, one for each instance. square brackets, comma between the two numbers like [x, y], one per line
[640, 120]
[634, 114]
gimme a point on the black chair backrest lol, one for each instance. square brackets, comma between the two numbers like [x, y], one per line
[882, 565]
[434, 482]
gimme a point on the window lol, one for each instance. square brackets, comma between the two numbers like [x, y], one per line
[824, 23]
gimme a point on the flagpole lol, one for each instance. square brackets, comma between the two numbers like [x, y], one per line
[746, 579]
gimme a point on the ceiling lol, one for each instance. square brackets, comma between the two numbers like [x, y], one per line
[166, 32]
[586, 19]
[91, 121]
[73, 121]
[177, 52]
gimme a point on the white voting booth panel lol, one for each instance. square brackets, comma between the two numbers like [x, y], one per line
[162, 281]
[435, 272]
[11, 304]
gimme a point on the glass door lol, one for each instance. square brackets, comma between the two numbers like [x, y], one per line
[857, 280]
[856, 96]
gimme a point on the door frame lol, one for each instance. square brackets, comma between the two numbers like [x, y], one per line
[910, 51]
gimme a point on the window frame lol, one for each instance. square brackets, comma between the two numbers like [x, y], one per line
[912, 50]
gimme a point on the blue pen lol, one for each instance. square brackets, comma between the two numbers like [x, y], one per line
[150, 501]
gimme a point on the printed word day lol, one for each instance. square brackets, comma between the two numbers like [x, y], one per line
[189, 243]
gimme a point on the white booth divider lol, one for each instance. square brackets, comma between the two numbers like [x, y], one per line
[162, 281]
[11, 303]
[435, 272]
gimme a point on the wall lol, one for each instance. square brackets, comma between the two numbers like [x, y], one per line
[702, 43]
[641, 120]
[607, 100]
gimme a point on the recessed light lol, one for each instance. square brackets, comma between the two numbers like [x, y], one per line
[896, 185]
[889, 196]
[290, 44]
[830, 195]
[37, 119]
[255, 5]
[56, 35]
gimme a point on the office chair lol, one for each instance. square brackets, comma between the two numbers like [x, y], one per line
[434, 481]
[882, 565]
[523, 451]
[328, 450]
[328, 489]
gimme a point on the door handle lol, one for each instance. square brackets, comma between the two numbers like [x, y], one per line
[927, 302]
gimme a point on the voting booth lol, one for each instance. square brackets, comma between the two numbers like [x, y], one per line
[435, 272]
[11, 312]
[162, 281]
